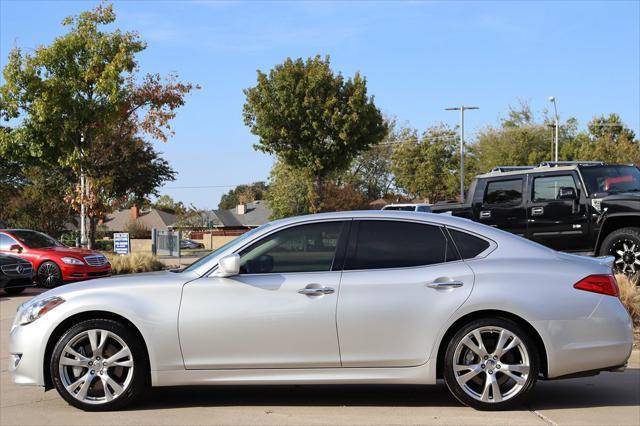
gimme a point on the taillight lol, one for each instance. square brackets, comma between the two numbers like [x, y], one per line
[603, 284]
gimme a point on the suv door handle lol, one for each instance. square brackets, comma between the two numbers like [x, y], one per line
[443, 285]
[537, 211]
[485, 214]
[315, 291]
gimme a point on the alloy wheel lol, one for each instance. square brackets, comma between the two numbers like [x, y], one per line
[96, 366]
[627, 254]
[49, 275]
[491, 364]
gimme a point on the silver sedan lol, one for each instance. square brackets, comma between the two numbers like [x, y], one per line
[353, 297]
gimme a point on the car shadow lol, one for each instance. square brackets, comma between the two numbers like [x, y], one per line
[607, 389]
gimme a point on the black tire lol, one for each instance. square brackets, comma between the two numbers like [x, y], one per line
[481, 379]
[615, 241]
[12, 291]
[49, 275]
[140, 366]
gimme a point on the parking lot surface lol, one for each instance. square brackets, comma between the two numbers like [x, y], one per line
[607, 399]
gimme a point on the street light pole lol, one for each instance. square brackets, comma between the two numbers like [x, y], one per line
[462, 109]
[552, 99]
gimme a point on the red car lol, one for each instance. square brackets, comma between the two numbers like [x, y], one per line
[53, 262]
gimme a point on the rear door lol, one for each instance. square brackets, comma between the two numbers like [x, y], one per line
[558, 223]
[503, 205]
[402, 280]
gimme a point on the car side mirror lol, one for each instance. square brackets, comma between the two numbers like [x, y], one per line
[228, 266]
[567, 193]
[16, 247]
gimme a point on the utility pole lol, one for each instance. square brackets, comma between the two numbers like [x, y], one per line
[462, 109]
[552, 99]
[83, 212]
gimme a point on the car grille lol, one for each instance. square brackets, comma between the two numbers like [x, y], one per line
[96, 260]
[12, 269]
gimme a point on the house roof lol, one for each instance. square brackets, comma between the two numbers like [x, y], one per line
[257, 213]
[149, 219]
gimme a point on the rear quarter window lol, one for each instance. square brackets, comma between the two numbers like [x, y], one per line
[468, 245]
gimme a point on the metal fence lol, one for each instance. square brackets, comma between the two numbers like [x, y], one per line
[165, 243]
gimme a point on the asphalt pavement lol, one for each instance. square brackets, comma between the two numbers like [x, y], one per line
[607, 399]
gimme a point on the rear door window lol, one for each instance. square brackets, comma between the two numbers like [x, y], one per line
[395, 244]
[504, 192]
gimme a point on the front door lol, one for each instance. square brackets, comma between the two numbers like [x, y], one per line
[279, 312]
[557, 222]
[402, 281]
[503, 205]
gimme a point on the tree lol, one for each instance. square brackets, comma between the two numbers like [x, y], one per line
[288, 193]
[243, 194]
[169, 205]
[427, 168]
[312, 119]
[81, 103]
[608, 139]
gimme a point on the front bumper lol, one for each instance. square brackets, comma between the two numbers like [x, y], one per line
[80, 273]
[26, 352]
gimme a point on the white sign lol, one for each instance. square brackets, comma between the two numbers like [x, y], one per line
[121, 243]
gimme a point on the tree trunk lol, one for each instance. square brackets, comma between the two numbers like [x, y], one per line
[91, 237]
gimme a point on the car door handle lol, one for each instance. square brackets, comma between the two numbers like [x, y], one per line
[443, 285]
[316, 291]
[537, 211]
[485, 214]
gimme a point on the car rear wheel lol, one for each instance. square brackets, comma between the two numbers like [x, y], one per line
[49, 275]
[491, 364]
[624, 245]
[99, 365]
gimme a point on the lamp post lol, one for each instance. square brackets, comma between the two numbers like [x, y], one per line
[462, 109]
[552, 99]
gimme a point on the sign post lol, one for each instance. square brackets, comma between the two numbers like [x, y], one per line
[121, 243]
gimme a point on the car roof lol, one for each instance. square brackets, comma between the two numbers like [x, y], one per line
[543, 169]
[407, 204]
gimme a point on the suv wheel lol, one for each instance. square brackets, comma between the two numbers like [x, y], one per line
[99, 365]
[491, 364]
[624, 245]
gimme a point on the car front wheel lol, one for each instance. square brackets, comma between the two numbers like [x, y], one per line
[99, 365]
[491, 364]
[49, 275]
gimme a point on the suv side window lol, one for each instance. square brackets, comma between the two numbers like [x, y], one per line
[468, 245]
[506, 192]
[394, 244]
[303, 248]
[547, 188]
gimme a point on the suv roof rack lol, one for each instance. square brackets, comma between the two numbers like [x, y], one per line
[504, 169]
[570, 163]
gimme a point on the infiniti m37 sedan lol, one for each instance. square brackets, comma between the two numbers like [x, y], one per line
[353, 297]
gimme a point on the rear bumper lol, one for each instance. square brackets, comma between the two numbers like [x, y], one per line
[601, 342]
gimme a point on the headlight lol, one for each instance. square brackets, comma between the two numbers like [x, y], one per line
[32, 311]
[72, 261]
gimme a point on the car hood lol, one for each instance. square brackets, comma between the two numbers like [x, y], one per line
[621, 202]
[149, 281]
[66, 251]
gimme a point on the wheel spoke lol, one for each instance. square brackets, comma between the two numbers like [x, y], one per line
[73, 362]
[495, 389]
[108, 395]
[114, 385]
[518, 379]
[82, 393]
[124, 352]
[620, 253]
[502, 340]
[72, 352]
[474, 370]
[512, 344]
[487, 387]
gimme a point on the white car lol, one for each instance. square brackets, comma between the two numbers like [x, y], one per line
[353, 297]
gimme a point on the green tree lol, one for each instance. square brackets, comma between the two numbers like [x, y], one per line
[427, 167]
[243, 194]
[288, 193]
[169, 205]
[81, 95]
[312, 119]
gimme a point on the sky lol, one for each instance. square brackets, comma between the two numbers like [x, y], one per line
[418, 58]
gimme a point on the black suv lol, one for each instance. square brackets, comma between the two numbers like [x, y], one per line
[581, 207]
[15, 274]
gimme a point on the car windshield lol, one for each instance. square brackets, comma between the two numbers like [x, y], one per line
[222, 248]
[33, 239]
[611, 178]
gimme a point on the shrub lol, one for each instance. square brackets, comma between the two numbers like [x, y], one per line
[630, 295]
[103, 245]
[137, 262]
